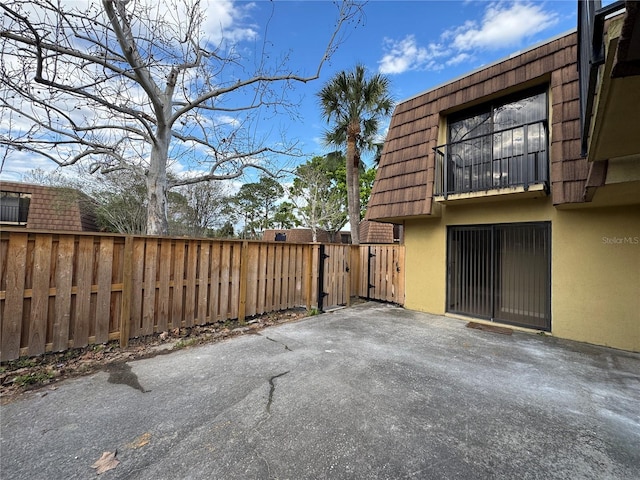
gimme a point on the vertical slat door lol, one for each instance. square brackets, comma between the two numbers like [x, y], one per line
[501, 272]
[523, 276]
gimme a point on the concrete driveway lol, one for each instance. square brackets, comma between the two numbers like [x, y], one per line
[372, 391]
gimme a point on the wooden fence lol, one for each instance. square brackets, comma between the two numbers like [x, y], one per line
[68, 290]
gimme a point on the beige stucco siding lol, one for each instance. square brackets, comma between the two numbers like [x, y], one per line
[425, 265]
[596, 276]
[595, 265]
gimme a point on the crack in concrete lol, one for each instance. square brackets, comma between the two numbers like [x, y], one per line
[273, 389]
[276, 341]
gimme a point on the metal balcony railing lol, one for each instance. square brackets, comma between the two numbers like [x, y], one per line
[511, 157]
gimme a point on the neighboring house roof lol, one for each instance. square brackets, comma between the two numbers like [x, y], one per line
[295, 235]
[55, 208]
[404, 185]
[370, 232]
[376, 232]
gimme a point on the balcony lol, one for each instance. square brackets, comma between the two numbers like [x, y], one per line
[504, 161]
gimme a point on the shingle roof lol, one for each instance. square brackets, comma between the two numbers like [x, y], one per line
[295, 235]
[376, 232]
[54, 208]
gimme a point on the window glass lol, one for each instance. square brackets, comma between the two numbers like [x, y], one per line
[498, 144]
[14, 207]
[498, 116]
[470, 127]
[527, 110]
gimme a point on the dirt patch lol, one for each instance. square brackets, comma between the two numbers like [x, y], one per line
[42, 373]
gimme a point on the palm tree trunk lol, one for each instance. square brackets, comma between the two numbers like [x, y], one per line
[353, 187]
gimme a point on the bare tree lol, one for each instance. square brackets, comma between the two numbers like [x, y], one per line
[198, 209]
[122, 86]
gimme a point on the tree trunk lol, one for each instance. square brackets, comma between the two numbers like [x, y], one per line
[353, 184]
[157, 223]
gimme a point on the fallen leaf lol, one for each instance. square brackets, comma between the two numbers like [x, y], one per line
[140, 441]
[106, 462]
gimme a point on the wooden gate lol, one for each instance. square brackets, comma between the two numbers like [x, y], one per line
[334, 287]
[382, 275]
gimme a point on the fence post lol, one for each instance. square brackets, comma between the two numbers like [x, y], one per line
[309, 275]
[127, 292]
[347, 260]
[321, 258]
[369, 285]
[242, 302]
[355, 271]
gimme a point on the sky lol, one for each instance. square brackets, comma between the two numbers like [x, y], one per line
[417, 44]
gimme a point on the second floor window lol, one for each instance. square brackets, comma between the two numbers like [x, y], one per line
[497, 145]
[14, 207]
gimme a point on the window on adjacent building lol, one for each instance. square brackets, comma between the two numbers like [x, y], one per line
[14, 207]
[496, 145]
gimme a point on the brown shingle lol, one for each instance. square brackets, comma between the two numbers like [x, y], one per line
[52, 208]
[375, 232]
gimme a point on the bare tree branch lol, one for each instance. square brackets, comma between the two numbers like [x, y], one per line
[118, 85]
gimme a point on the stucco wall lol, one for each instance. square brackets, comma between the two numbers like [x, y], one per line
[595, 266]
[425, 265]
[596, 276]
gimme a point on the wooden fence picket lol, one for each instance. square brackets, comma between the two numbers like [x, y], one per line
[177, 295]
[203, 282]
[164, 285]
[15, 273]
[63, 281]
[40, 296]
[103, 296]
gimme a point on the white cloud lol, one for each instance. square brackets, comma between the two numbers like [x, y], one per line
[227, 120]
[224, 21]
[504, 25]
[405, 54]
[459, 58]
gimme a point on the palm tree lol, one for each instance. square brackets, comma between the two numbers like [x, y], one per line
[354, 103]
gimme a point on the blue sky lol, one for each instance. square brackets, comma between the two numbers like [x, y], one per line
[418, 44]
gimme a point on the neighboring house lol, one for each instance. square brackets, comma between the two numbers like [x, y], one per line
[39, 207]
[370, 232]
[505, 220]
[304, 235]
